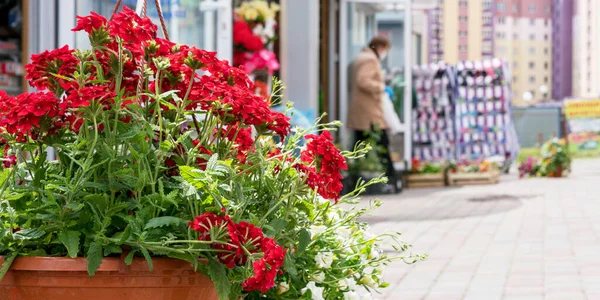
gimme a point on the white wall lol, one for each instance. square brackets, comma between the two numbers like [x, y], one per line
[299, 54]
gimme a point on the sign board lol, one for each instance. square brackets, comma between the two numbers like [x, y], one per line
[583, 118]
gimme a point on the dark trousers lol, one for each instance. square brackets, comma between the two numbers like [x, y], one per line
[383, 150]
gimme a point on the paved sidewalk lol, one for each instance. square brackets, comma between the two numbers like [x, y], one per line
[520, 239]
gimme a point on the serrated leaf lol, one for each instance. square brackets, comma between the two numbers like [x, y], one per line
[71, 241]
[212, 163]
[289, 264]
[112, 249]
[217, 273]
[278, 225]
[29, 234]
[303, 240]
[4, 175]
[8, 260]
[126, 234]
[164, 221]
[129, 257]
[147, 257]
[94, 258]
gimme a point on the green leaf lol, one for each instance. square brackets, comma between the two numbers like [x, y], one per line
[289, 264]
[147, 257]
[303, 240]
[129, 257]
[278, 225]
[126, 234]
[217, 273]
[94, 258]
[71, 240]
[8, 260]
[165, 221]
[112, 249]
[29, 234]
[4, 175]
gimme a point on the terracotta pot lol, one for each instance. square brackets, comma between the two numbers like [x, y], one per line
[557, 173]
[48, 278]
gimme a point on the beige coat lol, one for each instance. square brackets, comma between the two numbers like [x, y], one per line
[366, 92]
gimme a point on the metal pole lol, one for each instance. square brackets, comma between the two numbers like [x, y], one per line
[407, 82]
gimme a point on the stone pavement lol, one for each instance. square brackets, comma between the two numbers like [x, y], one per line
[520, 239]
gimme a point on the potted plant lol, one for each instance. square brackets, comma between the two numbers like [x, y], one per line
[366, 167]
[555, 158]
[425, 174]
[529, 168]
[167, 182]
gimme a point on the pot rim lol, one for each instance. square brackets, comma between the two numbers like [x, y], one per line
[109, 264]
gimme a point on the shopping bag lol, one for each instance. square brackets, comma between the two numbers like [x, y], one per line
[390, 116]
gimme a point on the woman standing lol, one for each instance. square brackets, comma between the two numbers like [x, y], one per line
[365, 115]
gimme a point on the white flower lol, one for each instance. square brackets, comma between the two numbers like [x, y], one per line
[368, 281]
[319, 277]
[366, 296]
[351, 296]
[344, 232]
[374, 253]
[282, 288]
[317, 229]
[347, 284]
[324, 260]
[316, 292]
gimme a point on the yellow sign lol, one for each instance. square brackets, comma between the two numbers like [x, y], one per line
[582, 109]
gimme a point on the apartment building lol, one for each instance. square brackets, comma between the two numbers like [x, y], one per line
[586, 48]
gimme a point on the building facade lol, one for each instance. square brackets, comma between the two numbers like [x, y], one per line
[523, 31]
[586, 37]
[562, 49]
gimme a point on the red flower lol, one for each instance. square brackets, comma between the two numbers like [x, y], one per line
[326, 177]
[9, 161]
[21, 114]
[200, 161]
[40, 71]
[90, 23]
[132, 28]
[244, 37]
[266, 268]
[83, 96]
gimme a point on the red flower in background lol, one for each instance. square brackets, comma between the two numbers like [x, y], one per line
[244, 37]
[21, 114]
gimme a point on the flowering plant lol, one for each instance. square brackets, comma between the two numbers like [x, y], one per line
[466, 166]
[555, 158]
[164, 150]
[420, 167]
[253, 32]
[530, 167]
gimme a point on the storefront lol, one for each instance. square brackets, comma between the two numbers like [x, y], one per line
[317, 40]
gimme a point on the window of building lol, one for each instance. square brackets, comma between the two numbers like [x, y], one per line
[531, 79]
[515, 7]
[531, 8]
[546, 65]
[531, 21]
[501, 20]
[463, 18]
[515, 64]
[463, 4]
[462, 48]
[546, 23]
[532, 50]
[487, 19]
[500, 35]
[515, 36]
[547, 9]
[531, 65]
[545, 79]
[532, 36]
[487, 4]
[501, 6]
[545, 50]
[462, 33]
[545, 37]
[515, 79]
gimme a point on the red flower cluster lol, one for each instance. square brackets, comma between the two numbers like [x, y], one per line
[90, 23]
[242, 238]
[130, 27]
[325, 177]
[22, 114]
[42, 67]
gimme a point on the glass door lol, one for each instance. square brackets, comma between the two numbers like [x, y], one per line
[206, 24]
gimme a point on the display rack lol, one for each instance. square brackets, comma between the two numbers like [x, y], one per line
[433, 117]
[482, 110]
